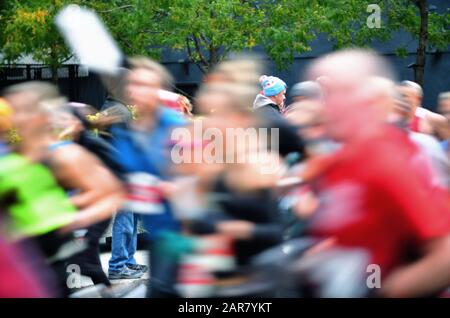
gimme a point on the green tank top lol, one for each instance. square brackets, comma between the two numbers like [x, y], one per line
[35, 203]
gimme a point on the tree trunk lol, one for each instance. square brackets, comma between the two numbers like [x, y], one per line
[213, 56]
[197, 57]
[54, 64]
[54, 70]
[419, 70]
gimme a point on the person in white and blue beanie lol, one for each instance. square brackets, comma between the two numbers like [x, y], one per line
[273, 93]
[272, 85]
[269, 107]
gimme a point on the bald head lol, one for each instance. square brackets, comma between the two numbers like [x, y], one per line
[413, 94]
[355, 64]
[416, 88]
[356, 83]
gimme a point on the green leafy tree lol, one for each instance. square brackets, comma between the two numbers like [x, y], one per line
[287, 28]
[345, 23]
[208, 30]
[129, 22]
[27, 28]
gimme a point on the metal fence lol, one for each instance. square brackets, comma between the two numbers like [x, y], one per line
[74, 81]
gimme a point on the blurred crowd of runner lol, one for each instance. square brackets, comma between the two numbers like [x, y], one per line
[342, 193]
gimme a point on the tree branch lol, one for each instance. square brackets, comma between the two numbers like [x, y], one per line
[225, 53]
[189, 50]
[191, 57]
[118, 8]
[125, 43]
[205, 39]
[66, 59]
[198, 49]
[213, 55]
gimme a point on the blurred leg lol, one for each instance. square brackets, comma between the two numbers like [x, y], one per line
[89, 259]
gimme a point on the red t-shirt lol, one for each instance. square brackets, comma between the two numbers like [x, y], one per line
[415, 123]
[371, 198]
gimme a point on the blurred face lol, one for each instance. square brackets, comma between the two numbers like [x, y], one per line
[297, 99]
[212, 104]
[400, 111]
[354, 109]
[279, 98]
[411, 96]
[398, 115]
[219, 110]
[310, 119]
[28, 123]
[444, 108]
[63, 120]
[340, 111]
[142, 89]
[221, 117]
[66, 125]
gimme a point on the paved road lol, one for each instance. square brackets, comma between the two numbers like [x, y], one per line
[134, 288]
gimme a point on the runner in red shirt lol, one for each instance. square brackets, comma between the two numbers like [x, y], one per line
[376, 203]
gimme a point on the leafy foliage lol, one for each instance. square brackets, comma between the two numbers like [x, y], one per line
[207, 30]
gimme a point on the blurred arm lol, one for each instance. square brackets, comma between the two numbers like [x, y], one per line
[100, 192]
[425, 277]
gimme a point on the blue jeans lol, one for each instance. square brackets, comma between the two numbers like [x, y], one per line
[124, 240]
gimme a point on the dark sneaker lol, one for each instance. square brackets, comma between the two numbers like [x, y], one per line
[138, 267]
[125, 273]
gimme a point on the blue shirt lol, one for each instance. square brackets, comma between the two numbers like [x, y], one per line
[149, 152]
